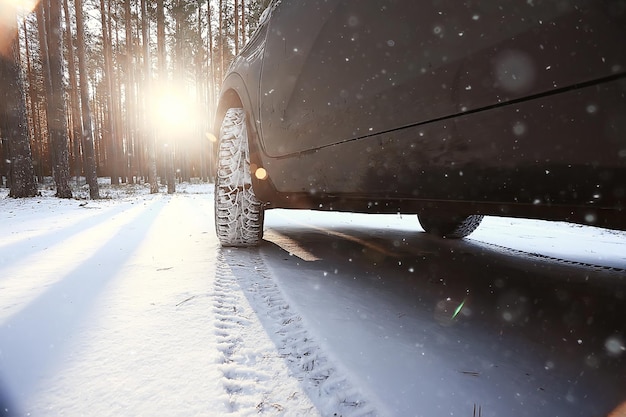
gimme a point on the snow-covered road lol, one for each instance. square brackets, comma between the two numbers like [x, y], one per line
[128, 307]
[92, 320]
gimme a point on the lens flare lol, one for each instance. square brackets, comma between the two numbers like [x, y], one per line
[458, 309]
[260, 173]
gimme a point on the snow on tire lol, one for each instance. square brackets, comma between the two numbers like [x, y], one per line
[238, 213]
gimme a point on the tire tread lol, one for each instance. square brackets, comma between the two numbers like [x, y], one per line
[238, 212]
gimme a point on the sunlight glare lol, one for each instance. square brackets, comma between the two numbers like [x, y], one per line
[10, 11]
[173, 110]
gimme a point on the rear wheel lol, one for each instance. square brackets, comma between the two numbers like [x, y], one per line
[238, 213]
[449, 226]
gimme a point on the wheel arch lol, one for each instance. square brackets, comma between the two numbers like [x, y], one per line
[233, 94]
[228, 99]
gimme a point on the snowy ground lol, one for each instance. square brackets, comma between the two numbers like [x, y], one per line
[126, 306]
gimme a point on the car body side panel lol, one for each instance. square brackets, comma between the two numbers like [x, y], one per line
[567, 154]
[341, 70]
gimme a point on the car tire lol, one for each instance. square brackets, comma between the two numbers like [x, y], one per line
[449, 227]
[238, 212]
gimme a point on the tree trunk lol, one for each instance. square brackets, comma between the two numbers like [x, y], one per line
[236, 27]
[243, 22]
[118, 124]
[220, 35]
[149, 135]
[201, 79]
[45, 68]
[112, 158]
[74, 100]
[14, 122]
[162, 66]
[33, 93]
[58, 121]
[130, 105]
[180, 151]
[161, 42]
[211, 89]
[87, 131]
[171, 176]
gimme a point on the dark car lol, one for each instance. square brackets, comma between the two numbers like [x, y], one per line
[449, 110]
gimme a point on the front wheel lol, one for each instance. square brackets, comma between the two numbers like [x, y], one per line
[449, 226]
[238, 213]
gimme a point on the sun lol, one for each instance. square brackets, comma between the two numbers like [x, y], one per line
[173, 110]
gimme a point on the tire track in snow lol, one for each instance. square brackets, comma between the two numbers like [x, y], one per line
[535, 255]
[243, 270]
[255, 379]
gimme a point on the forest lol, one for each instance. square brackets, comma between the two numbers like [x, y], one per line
[124, 89]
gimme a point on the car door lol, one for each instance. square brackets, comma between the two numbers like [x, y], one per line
[339, 70]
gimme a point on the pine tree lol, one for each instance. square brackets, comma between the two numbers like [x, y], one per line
[51, 45]
[13, 120]
[149, 135]
[87, 137]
